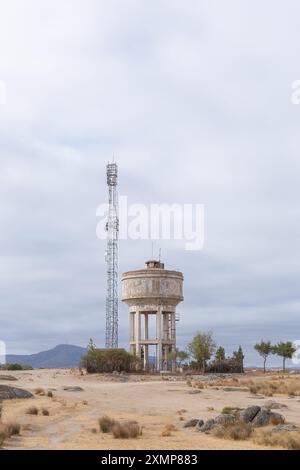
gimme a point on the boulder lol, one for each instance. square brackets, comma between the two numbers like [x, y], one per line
[9, 378]
[9, 393]
[284, 428]
[248, 414]
[199, 424]
[265, 417]
[273, 405]
[73, 389]
[207, 426]
[191, 423]
[235, 389]
[225, 419]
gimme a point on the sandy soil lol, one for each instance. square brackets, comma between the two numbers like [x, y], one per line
[152, 402]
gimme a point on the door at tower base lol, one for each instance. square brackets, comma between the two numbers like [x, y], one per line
[153, 291]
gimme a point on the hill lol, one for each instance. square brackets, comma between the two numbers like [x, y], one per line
[63, 355]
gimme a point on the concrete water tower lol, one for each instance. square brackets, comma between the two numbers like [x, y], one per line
[156, 291]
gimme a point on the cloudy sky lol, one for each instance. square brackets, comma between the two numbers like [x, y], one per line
[194, 100]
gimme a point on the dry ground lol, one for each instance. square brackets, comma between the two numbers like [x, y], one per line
[152, 402]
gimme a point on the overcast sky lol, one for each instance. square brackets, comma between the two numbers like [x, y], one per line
[194, 99]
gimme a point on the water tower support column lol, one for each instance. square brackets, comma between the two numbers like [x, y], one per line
[173, 338]
[132, 329]
[158, 339]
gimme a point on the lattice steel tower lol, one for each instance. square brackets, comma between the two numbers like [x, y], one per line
[112, 227]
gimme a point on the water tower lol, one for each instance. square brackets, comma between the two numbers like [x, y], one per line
[156, 291]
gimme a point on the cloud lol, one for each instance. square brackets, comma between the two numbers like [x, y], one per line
[194, 101]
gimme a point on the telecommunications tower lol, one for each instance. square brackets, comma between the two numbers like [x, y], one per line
[112, 227]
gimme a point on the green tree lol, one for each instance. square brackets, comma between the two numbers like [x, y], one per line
[264, 349]
[220, 354]
[202, 348]
[239, 357]
[91, 346]
[178, 356]
[285, 350]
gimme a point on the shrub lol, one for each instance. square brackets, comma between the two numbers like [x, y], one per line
[49, 394]
[33, 410]
[109, 360]
[106, 423]
[14, 367]
[227, 366]
[39, 391]
[45, 412]
[227, 410]
[127, 430]
[238, 431]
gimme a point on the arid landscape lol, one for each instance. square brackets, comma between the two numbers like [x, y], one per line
[69, 404]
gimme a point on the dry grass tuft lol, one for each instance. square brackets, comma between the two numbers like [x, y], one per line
[33, 410]
[167, 430]
[12, 429]
[287, 386]
[228, 410]
[238, 431]
[8, 430]
[287, 440]
[170, 427]
[39, 391]
[127, 430]
[180, 412]
[106, 423]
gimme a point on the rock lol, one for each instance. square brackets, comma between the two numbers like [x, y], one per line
[194, 392]
[249, 413]
[207, 426]
[73, 389]
[9, 393]
[273, 405]
[284, 428]
[235, 389]
[199, 424]
[225, 419]
[10, 378]
[257, 397]
[266, 417]
[191, 423]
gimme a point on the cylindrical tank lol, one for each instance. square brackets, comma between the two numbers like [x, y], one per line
[152, 285]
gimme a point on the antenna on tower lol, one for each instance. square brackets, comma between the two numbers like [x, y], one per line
[112, 227]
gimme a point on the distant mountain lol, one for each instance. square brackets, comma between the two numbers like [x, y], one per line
[63, 355]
